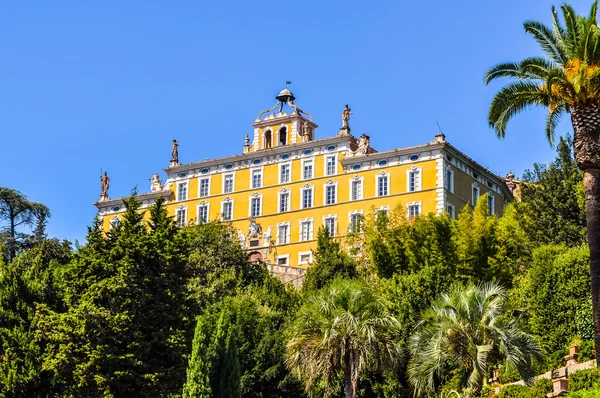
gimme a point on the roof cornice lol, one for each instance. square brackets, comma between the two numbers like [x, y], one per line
[143, 196]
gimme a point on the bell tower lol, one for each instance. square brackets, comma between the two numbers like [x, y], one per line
[283, 124]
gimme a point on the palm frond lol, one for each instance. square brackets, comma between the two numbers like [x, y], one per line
[572, 27]
[545, 37]
[593, 15]
[559, 30]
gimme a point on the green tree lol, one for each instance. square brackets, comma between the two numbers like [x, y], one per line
[198, 373]
[552, 201]
[17, 211]
[566, 80]
[343, 331]
[329, 262]
[464, 329]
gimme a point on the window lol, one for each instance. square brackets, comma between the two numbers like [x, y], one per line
[283, 260]
[227, 212]
[182, 191]
[357, 189]
[304, 258]
[382, 185]
[181, 216]
[475, 194]
[450, 179]
[204, 187]
[414, 210]
[355, 222]
[228, 183]
[329, 223]
[307, 198]
[284, 173]
[382, 213]
[115, 222]
[284, 202]
[255, 207]
[450, 210]
[257, 178]
[490, 202]
[283, 136]
[202, 214]
[307, 169]
[306, 230]
[330, 164]
[283, 234]
[330, 194]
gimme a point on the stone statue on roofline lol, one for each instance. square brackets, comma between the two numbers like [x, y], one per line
[175, 153]
[104, 185]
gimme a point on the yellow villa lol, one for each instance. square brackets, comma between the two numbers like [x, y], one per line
[286, 185]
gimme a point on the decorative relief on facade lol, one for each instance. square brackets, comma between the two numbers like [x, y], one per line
[155, 183]
[363, 146]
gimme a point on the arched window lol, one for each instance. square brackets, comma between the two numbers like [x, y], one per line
[268, 139]
[283, 136]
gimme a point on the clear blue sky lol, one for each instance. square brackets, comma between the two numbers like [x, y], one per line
[85, 85]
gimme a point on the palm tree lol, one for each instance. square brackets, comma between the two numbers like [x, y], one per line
[566, 80]
[344, 330]
[463, 329]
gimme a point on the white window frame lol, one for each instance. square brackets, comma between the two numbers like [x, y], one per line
[232, 174]
[451, 206]
[262, 177]
[410, 204]
[281, 166]
[206, 205]
[449, 180]
[258, 196]
[227, 200]
[302, 254]
[178, 221]
[287, 235]
[475, 186]
[287, 258]
[200, 179]
[361, 180]
[187, 190]
[334, 184]
[287, 192]
[418, 179]
[383, 174]
[287, 142]
[491, 209]
[382, 208]
[310, 229]
[350, 226]
[311, 188]
[335, 227]
[335, 164]
[115, 222]
[304, 161]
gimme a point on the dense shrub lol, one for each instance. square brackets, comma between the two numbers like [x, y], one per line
[540, 388]
[584, 379]
[515, 391]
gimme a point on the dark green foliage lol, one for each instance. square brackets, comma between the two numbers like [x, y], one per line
[552, 206]
[540, 388]
[330, 261]
[515, 391]
[28, 281]
[584, 379]
[555, 288]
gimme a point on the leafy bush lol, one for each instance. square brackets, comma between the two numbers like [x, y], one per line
[584, 379]
[540, 388]
[508, 374]
[515, 391]
[586, 351]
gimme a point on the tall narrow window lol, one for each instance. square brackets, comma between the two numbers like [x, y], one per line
[307, 198]
[181, 216]
[355, 222]
[450, 179]
[306, 230]
[255, 207]
[450, 210]
[357, 189]
[268, 139]
[475, 194]
[283, 136]
[330, 194]
[227, 211]
[284, 202]
[283, 233]
[330, 165]
[284, 173]
[182, 191]
[307, 169]
[382, 185]
[204, 187]
[329, 223]
[414, 210]
[491, 203]
[228, 183]
[202, 214]
[256, 178]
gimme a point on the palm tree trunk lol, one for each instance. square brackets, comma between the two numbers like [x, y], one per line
[350, 376]
[586, 123]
